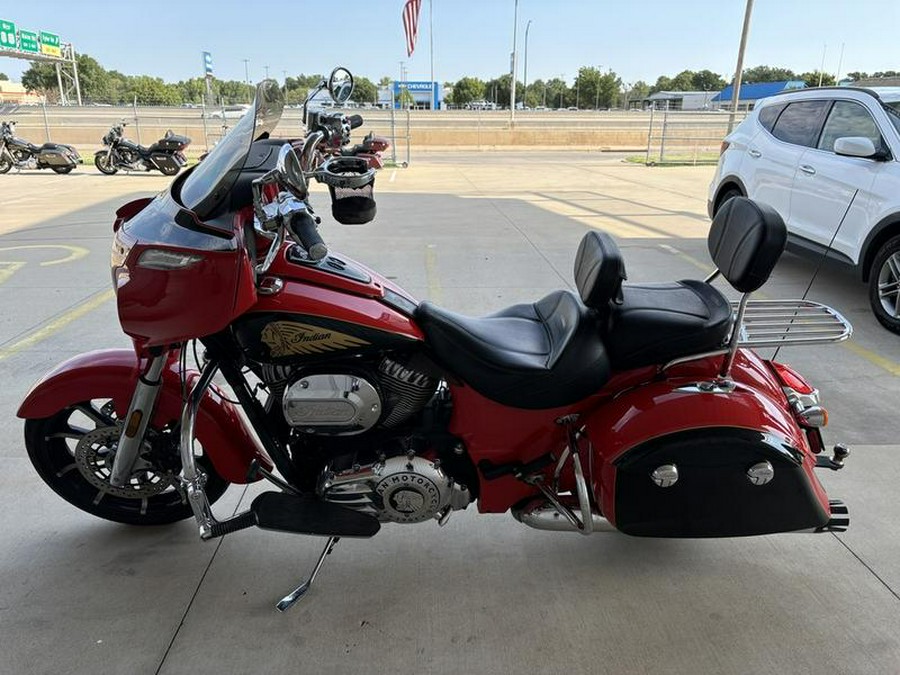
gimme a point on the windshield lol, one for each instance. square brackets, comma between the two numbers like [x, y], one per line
[893, 110]
[208, 185]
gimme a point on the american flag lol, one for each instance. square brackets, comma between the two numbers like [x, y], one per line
[411, 23]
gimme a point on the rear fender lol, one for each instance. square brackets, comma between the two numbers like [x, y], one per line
[112, 373]
[665, 408]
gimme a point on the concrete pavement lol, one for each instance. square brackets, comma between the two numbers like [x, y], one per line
[484, 594]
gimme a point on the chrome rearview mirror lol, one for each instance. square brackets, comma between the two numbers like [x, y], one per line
[290, 170]
[340, 85]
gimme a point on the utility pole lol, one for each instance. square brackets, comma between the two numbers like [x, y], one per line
[739, 70]
[247, 71]
[267, 71]
[512, 85]
[525, 76]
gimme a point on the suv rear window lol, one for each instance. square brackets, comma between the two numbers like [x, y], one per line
[801, 122]
[769, 114]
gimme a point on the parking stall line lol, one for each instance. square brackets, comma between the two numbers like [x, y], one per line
[57, 324]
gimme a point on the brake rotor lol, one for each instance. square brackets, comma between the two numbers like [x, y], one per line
[94, 458]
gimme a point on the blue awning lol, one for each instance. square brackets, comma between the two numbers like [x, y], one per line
[754, 92]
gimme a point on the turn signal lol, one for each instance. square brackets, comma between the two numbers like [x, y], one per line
[815, 416]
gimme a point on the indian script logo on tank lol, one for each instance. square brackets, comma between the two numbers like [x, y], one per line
[287, 338]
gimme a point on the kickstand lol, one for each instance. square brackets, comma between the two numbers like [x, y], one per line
[291, 598]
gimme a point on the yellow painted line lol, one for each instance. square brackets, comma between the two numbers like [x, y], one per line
[75, 252]
[891, 366]
[58, 323]
[435, 293]
[7, 269]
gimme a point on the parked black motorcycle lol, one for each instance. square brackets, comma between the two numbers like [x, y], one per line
[166, 155]
[19, 153]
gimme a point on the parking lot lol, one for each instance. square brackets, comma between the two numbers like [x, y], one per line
[474, 232]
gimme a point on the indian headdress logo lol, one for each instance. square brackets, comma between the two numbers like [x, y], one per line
[287, 338]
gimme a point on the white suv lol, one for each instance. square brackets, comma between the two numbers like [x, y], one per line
[828, 160]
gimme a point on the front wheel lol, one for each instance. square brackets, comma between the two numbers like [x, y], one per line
[104, 162]
[73, 451]
[884, 285]
[5, 163]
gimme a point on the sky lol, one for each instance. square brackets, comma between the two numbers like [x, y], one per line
[638, 39]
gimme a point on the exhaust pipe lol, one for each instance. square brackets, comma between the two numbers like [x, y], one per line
[542, 515]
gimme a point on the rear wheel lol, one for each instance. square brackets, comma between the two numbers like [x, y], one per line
[729, 193]
[62, 169]
[73, 451]
[104, 162]
[169, 170]
[884, 285]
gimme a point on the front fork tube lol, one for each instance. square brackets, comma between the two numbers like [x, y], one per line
[143, 404]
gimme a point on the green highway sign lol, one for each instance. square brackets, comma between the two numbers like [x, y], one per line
[7, 35]
[50, 44]
[28, 41]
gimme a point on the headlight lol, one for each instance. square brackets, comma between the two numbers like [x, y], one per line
[161, 259]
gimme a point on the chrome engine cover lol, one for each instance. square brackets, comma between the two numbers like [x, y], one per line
[338, 404]
[398, 490]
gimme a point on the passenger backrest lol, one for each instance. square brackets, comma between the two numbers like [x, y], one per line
[599, 270]
[745, 241]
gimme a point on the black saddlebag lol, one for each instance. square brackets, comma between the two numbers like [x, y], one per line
[727, 482]
[56, 155]
[165, 161]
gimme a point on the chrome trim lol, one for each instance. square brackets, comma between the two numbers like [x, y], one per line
[692, 357]
[665, 476]
[712, 276]
[291, 598]
[761, 473]
[143, 403]
[709, 387]
[193, 479]
[736, 330]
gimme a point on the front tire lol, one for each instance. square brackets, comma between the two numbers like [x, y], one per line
[884, 285]
[5, 163]
[104, 163]
[73, 452]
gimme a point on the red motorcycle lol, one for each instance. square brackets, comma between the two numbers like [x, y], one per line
[632, 407]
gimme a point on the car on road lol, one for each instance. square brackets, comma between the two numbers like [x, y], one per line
[828, 160]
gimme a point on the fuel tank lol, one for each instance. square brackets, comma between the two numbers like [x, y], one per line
[309, 310]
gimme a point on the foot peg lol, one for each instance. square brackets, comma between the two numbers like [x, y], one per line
[307, 515]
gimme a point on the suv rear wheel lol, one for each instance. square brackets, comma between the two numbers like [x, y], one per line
[884, 285]
[729, 193]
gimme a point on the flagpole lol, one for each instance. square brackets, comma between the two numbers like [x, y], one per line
[431, 40]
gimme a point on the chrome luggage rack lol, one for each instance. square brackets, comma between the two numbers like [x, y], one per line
[782, 323]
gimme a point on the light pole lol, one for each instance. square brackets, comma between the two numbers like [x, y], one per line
[247, 70]
[512, 84]
[738, 71]
[525, 76]
[267, 71]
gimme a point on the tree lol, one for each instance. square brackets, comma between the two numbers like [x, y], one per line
[4, 77]
[41, 79]
[706, 80]
[466, 90]
[638, 92]
[595, 89]
[886, 73]
[663, 83]
[812, 79]
[557, 90]
[856, 75]
[767, 74]
[385, 81]
[364, 90]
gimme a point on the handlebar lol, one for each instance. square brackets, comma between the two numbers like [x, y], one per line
[303, 230]
[356, 121]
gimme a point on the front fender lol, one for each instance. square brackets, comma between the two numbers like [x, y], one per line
[112, 373]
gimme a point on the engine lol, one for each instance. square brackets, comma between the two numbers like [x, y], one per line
[400, 489]
[347, 403]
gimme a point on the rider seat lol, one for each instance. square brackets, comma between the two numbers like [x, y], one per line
[541, 355]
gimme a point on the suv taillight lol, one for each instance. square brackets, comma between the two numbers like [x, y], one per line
[723, 147]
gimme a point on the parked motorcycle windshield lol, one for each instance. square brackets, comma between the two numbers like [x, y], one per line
[209, 184]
